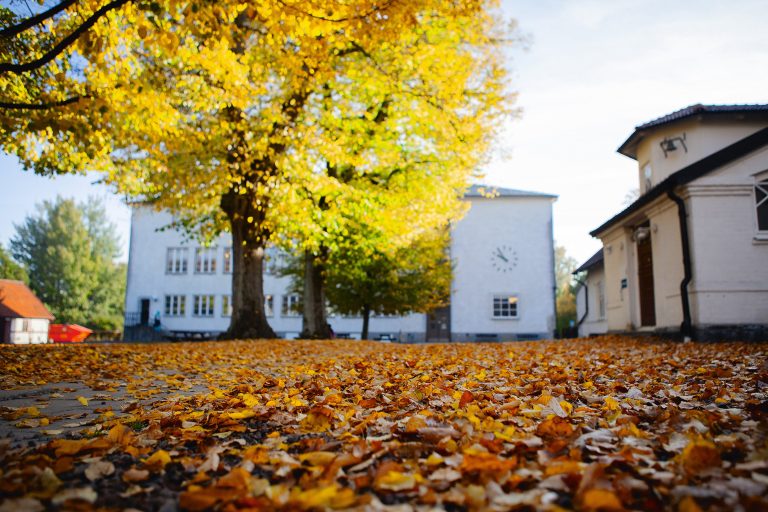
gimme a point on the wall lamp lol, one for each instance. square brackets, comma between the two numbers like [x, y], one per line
[669, 144]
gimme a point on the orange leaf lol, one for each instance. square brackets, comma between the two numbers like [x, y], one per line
[466, 397]
[601, 500]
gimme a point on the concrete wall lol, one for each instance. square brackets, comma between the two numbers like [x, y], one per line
[595, 322]
[27, 331]
[522, 228]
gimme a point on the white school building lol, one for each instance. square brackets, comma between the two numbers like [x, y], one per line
[502, 289]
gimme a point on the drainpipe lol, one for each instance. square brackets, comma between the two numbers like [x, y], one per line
[586, 302]
[685, 328]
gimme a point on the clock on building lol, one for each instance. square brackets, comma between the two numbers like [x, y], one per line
[504, 258]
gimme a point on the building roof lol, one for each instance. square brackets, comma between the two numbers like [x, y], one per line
[490, 192]
[18, 301]
[687, 174]
[629, 145]
[594, 260]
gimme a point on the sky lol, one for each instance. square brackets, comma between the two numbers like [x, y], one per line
[588, 73]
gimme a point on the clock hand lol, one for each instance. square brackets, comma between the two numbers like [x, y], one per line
[502, 256]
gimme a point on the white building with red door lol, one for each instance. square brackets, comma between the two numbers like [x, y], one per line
[690, 255]
[503, 279]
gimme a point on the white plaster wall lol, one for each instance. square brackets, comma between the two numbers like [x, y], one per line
[703, 137]
[525, 224]
[147, 279]
[730, 260]
[593, 323]
[618, 264]
[522, 222]
[36, 332]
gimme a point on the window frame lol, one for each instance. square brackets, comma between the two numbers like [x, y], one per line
[178, 264]
[269, 305]
[287, 304]
[226, 260]
[761, 184]
[205, 260]
[175, 306]
[198, 303]
[226, 306]
[505, 297]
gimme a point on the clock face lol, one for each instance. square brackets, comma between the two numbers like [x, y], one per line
[504, 258]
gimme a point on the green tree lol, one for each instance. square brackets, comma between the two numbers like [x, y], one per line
[69, 251]
[414, 279]
[9, 269]
[566, 291]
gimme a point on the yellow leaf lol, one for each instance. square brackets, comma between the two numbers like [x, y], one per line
[83, 400]
[158, 460]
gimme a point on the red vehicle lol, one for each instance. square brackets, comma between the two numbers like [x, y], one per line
[68, 333]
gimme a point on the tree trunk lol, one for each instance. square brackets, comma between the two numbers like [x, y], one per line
[315, 320]
[366, 319]
[249, 237]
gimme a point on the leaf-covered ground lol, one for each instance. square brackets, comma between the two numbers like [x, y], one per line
[602, 424]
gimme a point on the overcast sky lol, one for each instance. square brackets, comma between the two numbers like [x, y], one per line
[594, 69]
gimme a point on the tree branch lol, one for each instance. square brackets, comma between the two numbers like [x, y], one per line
[41, 106]
[8, 67]
[30, 22]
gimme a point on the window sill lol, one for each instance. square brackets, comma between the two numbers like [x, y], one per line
[760, 239]
[505, 318]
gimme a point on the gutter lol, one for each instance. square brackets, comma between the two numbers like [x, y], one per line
[586, 302]
[685, 328]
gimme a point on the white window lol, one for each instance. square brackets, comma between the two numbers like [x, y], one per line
[203, 305]
[269, 305]
[291, 305]
[227, 265]
[174, 305]
[226, 305]
[761, 204]
[176, 260]
[205, 260]
[504, 306]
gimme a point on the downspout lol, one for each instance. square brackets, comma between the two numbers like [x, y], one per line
[586, 302]
[685, 328]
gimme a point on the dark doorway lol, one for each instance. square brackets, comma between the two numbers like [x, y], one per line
[144, 315]
[645, 276]
[439, 325]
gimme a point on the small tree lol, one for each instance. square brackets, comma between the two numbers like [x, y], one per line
[566, 292]
[69, 252]
[413, 279]
[9, 269]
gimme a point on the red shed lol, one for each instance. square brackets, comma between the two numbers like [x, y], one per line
[68, 333]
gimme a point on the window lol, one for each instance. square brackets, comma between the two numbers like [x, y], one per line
[226, 305]
[504, 306]
[205, 260]
[174, 305]
[291, 305]
[647, 178]
[227, 265]
[761, 204]
[269, 305]
[203, 305]
[176, 260]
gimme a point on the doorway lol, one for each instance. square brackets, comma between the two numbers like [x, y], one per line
[645, 275]
[439, 325]
[144, 314]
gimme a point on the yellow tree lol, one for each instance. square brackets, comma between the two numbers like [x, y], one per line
[229, 113]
